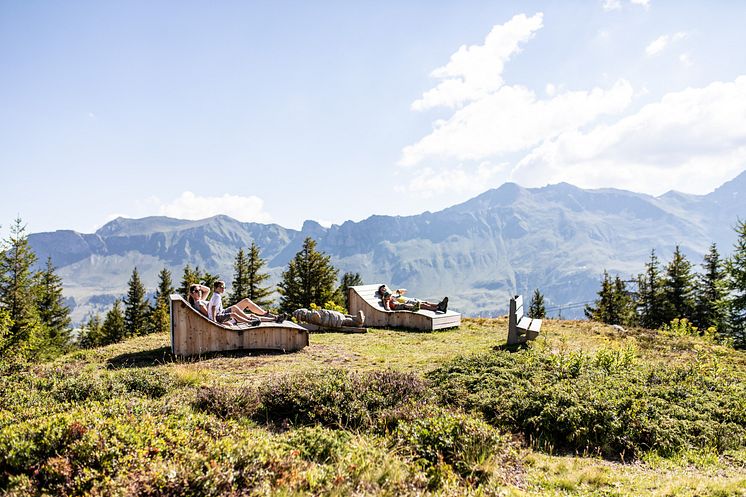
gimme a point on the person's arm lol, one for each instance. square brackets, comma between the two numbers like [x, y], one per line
[386, 302]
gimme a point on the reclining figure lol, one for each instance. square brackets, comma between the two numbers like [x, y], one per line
[328, 318]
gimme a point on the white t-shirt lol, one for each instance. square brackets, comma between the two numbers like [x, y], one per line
[216, 303]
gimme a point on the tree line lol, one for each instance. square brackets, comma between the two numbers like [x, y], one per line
[712, 300]
[35, 321]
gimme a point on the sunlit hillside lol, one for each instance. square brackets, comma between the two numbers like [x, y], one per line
[586, 409]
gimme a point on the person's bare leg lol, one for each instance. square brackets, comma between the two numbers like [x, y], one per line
[253, 308]
[239, 315]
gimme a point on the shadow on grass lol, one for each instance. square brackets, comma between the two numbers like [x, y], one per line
[163, 355]
[515, 347]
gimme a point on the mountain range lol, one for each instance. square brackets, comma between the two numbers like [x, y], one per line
[558, 238]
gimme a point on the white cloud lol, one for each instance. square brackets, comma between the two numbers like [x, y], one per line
[686, 59]
[475, 71]
[692, 140]
[609, 5]
[429, 182]
[191, 206]
[513, 119]
[659, 44]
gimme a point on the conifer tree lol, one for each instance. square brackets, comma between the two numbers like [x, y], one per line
[114, 329]
[711, 293]
[160, 320]
[536, 308]
[17, 293]
[614, 305]
[678, 288]
[603, 311]
[189, 277]
[240, 285]
[651, 302]
[90, 335]
[737, 284]
[248, 278]
[348, 280]
[136, 308]
[309, 279]
[53, 313]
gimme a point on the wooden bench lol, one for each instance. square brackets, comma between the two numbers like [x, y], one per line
[365, 297]
[194, 334]
[521, 328]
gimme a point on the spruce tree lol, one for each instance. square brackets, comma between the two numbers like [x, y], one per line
[240, 284]
[114, 329]
[137, 309]
[53, 313]
[309, 279]
[17, 293]
[737, 284]
[90, 334]
[348, 280]
[603, 308]
[189, 277]
[614, 305]
[248, 278]
[710, 308]
[623, 303]
[678, 288]
[160, 320]
[651, 303]
[536, 308]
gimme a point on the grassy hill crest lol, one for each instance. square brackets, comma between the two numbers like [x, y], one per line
[585, 410]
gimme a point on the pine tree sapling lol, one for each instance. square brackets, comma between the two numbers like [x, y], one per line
[536, 309]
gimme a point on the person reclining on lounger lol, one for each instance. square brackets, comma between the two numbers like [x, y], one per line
[197, 298]
[396, 301]
[237, 312]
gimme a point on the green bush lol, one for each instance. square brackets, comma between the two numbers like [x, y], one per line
[455, 441]
[333, 398]
[607, 403]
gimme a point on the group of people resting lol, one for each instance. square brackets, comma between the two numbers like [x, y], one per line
[244, 311]
[396, 301]
[247, 311]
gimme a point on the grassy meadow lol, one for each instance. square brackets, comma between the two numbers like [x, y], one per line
[585, 410]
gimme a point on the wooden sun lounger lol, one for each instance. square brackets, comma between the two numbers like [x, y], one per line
[192, 333]
[364, 297]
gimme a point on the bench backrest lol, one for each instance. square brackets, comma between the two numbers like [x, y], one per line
[516, 310]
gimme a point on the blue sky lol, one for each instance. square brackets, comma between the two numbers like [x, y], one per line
[286, 111]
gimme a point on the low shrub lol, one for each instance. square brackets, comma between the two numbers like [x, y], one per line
[606, 403]
[456, 442]
[333, 398]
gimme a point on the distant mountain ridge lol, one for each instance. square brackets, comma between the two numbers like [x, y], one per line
[558, 238]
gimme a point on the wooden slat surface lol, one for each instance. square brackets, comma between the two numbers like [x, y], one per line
[194, 334]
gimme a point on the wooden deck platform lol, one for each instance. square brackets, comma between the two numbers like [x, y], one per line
[193, 334]
[364, 297]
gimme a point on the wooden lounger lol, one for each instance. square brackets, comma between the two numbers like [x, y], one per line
[364, 297]
[192, 333]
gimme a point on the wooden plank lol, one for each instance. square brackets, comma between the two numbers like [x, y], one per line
[524, 323]
[535, 325]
